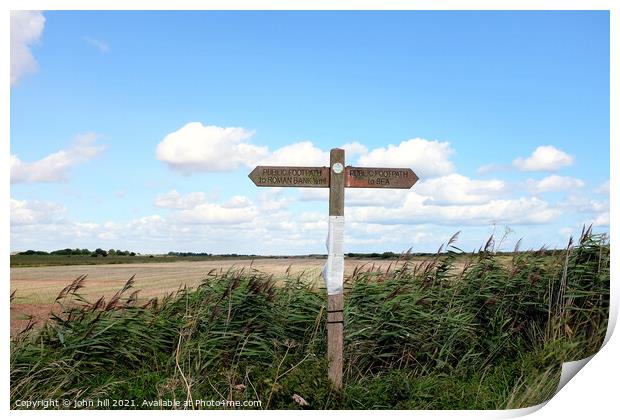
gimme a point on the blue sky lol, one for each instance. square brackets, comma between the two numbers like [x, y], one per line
[137, 130]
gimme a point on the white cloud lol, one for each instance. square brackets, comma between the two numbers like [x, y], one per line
[603, 188]
[297, 154]
[553, 183]
[211, 213]
[195, 148]
[448, 189]
[354, 148]
[26, 30]
[25, 212]
[459, 189]
[319, 194]
[580, 203]
[312, 216]
[98, 44]
[274, 199]
[416, 210]
[601, 219]
[56, 167]
[237, 202]
[194, 208]
[380, 237]
[596, 212]
[174, 200]
[356, 197]
[150, 225]
[313, 222]
[426, 158]
[236, 225]
[544, 158]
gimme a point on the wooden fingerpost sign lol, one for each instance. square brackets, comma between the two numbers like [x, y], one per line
[335, 177]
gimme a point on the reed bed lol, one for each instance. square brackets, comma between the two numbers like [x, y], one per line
[430, 335]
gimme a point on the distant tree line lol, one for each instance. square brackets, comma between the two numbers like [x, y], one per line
[394, 255]
[372, 255]
[189, 254]
[382, 255]
[207, 254]
[81, 252]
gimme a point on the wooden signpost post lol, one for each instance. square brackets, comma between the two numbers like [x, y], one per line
[335, 177]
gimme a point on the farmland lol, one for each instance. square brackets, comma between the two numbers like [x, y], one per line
[37, 284]
[21, 260]
[475, 331]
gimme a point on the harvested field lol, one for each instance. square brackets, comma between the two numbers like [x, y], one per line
[41, 284]
[37, 287]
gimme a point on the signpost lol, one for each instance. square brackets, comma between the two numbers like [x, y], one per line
[335, 177]
[290, 176]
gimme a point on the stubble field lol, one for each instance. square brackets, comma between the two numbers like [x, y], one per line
[36, 288]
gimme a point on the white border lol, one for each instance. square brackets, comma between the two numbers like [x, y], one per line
[591, 394]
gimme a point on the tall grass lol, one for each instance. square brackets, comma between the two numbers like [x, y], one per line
[456, 331]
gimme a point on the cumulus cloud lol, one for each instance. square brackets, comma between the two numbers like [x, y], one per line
[358, 196]
[544, 158]
[198, 148]
[389, 237]
[138, 234]
[311, 221]
[297, 154]
[26, 30]
[237, 202]
[445, 190]
[426, 158]
[238, 224]
[553, 183]
[354, 148]
[210, 213]
[450, 200]
[202, 231]
[603, 188]
[459, 189]
[375, 197]
[174, 200]
[233, 225]
[522, 211]
[597, 211]
[582, 204]
[56, 167]
[194, 208]
[319, 194]
[25, 212]
[273, 199]
[601, 219]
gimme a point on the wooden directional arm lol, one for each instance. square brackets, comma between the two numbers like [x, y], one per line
[290, 176]
[402, 178]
